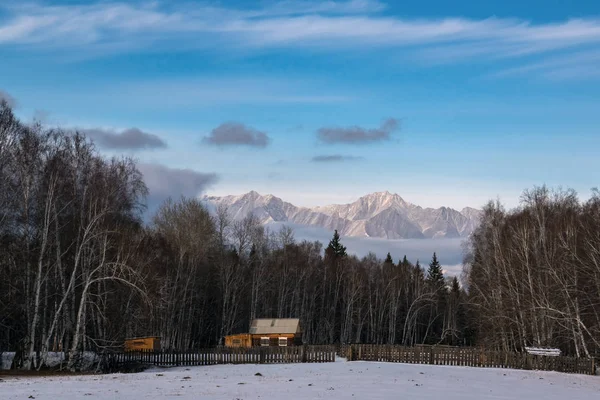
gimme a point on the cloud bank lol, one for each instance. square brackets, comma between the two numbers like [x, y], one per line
[236, 134]
[164, 182]
[449, 251]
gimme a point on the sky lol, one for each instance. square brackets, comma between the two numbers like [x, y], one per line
[445, 103]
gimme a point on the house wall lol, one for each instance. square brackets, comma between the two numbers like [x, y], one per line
[253, 340]
[241, 340]
[293, 339]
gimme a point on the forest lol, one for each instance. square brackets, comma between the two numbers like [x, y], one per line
[82, 267]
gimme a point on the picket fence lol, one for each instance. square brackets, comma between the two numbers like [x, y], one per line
[465, 356]
[221, 355]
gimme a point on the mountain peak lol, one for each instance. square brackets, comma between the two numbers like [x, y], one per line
[379, 214]
[253, 194]
[385, 199]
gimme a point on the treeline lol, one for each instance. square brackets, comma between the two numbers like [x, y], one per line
[81, 270]
[534, 273]
[69, 238]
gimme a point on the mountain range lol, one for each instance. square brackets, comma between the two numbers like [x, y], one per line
[380, 215]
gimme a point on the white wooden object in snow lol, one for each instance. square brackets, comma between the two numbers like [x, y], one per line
[538, 351]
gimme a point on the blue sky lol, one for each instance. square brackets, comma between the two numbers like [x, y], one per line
[490, 97]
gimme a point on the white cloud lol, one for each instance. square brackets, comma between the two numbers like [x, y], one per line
[112, 27]
[574, 66]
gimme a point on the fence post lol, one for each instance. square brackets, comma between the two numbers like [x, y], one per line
[350, 349]
[262, 355]
[431, 356]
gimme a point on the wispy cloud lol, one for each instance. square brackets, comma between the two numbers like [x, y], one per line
[11, 101]
[578, 65]
[291, 7]
[236, 134]
[105, 27]
[129, 139]
[335, 158]
[357, 134]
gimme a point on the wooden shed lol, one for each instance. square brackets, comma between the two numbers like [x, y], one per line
[269, 332]
[142, 343]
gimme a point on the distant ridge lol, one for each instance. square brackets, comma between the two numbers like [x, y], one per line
[380, 215]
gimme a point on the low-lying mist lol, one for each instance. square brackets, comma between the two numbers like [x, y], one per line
[449, 251]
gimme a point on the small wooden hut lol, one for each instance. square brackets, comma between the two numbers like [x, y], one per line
[142, 343]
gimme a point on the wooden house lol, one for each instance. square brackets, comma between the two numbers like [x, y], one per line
[142, 343]
[269, 332]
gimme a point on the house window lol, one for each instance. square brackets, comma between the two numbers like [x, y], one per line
[283, 341]
[265, 341]
[237, 342]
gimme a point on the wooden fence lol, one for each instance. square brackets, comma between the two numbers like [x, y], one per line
[222, 355]
[465, 356]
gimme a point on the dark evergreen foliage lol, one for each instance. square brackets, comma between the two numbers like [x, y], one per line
[335, 246]
[388, 259]
[435, 275]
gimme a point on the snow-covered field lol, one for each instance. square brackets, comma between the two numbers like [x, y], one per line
[340, 380]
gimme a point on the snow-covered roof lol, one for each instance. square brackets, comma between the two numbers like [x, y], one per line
[278, 325]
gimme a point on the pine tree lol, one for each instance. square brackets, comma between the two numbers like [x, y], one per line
[335, 246]
[455, 287]
[388, 259]
[435, 275]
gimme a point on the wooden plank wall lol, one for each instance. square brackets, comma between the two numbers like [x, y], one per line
[213, 356]
[465, 356]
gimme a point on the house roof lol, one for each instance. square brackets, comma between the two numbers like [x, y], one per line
[279, 325]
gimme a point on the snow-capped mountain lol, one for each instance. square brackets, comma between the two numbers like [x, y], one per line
[381, 214]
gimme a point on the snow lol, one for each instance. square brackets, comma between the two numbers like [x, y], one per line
[339, 380]
[6, 359]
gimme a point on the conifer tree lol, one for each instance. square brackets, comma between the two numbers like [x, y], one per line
[455, 287]
[435, 275]
[388, 259]
[335, 246]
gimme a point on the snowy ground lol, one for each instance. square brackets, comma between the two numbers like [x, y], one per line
[340, 380]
